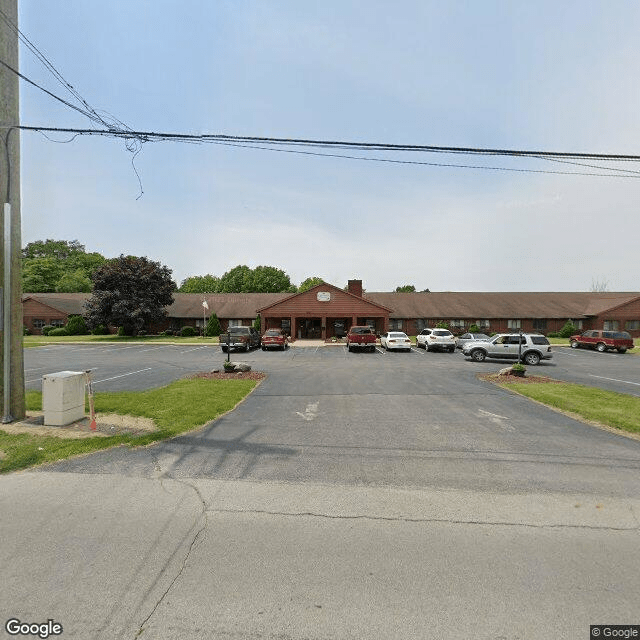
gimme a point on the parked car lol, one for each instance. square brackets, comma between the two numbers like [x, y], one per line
[436, 339]
[603, 340]
[470, 337]
[395, 340]
[531, 347]
[361, 337]
[274, 339]
[241, 338]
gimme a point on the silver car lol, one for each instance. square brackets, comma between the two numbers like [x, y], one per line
[530, 347]
[470, 337]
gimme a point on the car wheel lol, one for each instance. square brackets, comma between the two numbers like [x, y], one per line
[349, 349]
[601, 347]
[478, 355]
[264, 348]
[247, 346]
[224, 349]
[574, 344]
[452, 349]
[622, 350]
[532, 358]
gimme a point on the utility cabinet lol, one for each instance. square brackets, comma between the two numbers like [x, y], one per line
[63, 397]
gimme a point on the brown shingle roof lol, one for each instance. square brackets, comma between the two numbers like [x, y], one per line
[446, 305]
[478, 305]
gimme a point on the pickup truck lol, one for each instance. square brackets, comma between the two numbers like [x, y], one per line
[241, 338]
[361, 338]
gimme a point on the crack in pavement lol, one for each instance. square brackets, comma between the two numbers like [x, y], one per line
[312, 514]
[203, 515]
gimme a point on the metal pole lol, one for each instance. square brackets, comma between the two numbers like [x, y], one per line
[6, 306]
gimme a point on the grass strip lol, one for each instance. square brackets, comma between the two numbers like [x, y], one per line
[181, 406]
[609, 408]
[41, 341]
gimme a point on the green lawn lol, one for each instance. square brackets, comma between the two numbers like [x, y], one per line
[182, 406]
[609, 408]
[39, 341]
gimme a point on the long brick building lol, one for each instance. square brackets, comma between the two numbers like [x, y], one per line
[327, 310]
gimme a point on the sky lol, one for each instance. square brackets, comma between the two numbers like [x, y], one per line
[544, 75]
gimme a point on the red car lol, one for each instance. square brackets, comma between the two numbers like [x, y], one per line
[603, 340]
[274, 339]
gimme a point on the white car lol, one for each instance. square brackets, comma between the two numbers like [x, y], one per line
[395, 340]
[433, 339]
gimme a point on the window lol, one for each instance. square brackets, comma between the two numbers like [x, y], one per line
[539, 324]
[456, 324]
[629, 325]
[57, 322]
[610, 325]
[235, 323]
[513, 324]
[421, 323]
[38, 323]
[395, 324]
[482, 324]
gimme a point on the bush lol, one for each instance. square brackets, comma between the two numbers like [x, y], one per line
[256, 324]
[187, 332]
[26, 331]
[76, 326]
[553, 334]
[100, 330]
[474, 328]
[168, 332]
[568, 330]
[213, 326]
[60, 331]
[121, 332]
[46, 329]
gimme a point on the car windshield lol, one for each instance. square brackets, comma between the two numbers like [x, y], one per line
[442, 332]
[360, 330]
[480, 336]
[243, 330]
[396, 334]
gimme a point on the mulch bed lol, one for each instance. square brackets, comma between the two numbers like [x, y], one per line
[494, 377]
[235, 375]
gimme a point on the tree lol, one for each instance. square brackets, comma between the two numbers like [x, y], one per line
[41, 275]
[130, 292]
[58, 265]
[568, 330]
[200, 284]
[407, 288]
[262, 279]
[599, 286]
[75, 281]
[57, 249]
[213, 327]
[309, 283]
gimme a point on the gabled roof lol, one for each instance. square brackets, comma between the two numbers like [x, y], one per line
[224, 305]
[323, 286]
[69, 303]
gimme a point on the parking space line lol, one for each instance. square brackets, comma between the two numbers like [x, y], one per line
[206, 346]
[615, 380]
[155, 348]
[123, 375]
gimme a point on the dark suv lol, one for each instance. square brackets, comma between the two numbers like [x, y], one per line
[603, 340]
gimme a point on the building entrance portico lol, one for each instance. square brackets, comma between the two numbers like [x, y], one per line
[325, 311]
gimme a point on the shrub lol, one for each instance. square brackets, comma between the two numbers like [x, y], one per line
[168, 332]
[76, 326]
[442, 325]
[100, 330]
[256, 324]
[187, 332]
[553, 334]
[26, 331]
[474, 328]
[121, 332]
[213, 326]
[60, 331]
[568, 330]
[46, 329]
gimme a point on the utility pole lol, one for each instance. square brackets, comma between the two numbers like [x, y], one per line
[12, 373]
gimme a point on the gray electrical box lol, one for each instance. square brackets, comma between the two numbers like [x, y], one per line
[63, 397]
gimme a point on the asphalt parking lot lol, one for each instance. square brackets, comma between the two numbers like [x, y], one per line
[138, 367]
[384, 418]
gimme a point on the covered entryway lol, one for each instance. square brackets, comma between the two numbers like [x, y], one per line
[325, 311]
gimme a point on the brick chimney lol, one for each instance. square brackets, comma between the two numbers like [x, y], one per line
[355, 287]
